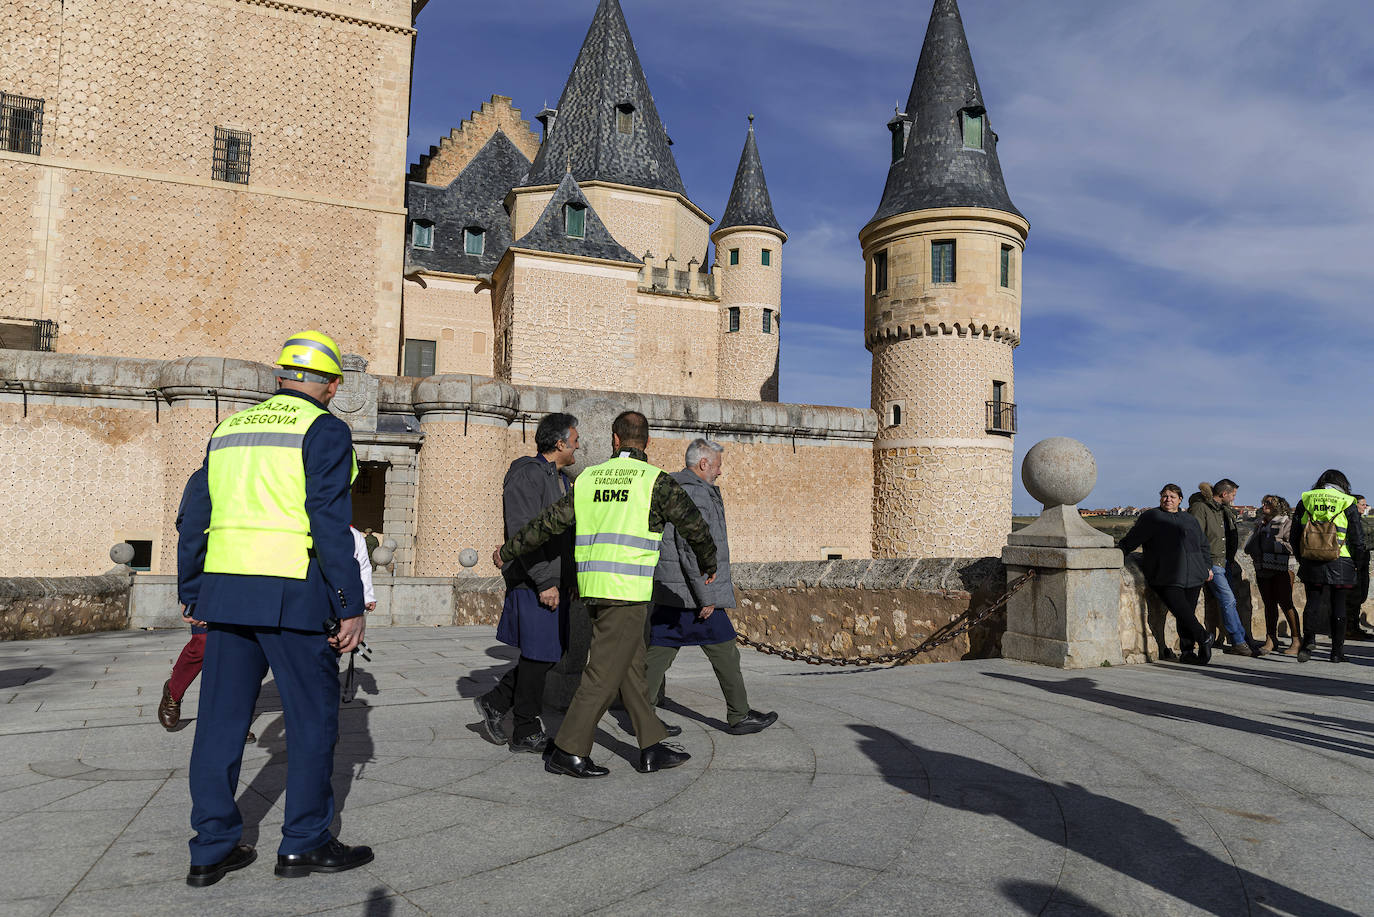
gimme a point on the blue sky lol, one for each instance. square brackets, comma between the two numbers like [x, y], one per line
[1198, 279]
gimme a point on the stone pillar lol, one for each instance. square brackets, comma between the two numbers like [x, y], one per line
[1068, 615]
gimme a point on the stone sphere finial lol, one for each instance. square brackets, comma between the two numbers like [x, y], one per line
[122, 553]
[381, 555]
[467, 557]
[1059, 471]
[389, 543]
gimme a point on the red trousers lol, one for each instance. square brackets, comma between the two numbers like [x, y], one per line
[187, 665]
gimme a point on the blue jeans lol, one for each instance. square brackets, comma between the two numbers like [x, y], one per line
[1224, 591]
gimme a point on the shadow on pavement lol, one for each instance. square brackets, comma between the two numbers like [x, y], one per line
[1112, 833]
[13, 678]
[1087, 689]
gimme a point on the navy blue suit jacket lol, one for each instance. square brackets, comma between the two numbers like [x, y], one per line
[333, 584]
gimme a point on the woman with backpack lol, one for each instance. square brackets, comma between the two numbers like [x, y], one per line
[1327, 533]
[1272, 550]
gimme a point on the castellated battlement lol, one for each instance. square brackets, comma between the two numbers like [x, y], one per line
[109, 442]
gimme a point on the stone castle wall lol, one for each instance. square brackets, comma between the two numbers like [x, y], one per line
[453, 153]
[455, 313]
[107, 445]
[118, 230]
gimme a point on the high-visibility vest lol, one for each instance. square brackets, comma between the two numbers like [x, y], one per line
[1327, 505]
[258, 523]
[616, 553]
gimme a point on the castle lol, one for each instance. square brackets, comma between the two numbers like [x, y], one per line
[252, 179]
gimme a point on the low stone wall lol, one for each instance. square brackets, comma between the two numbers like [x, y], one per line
[61, 606]
[834, 608]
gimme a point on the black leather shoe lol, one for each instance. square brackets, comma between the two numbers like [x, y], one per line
[753, 722]
[329, 857]
[491, 719]
[533, 744]
[1338, 656]
[558, 761]
[239, 857]
[1168, 655]
[1304, 654]
[660, 757]
[1204, 650]
[1189, 658]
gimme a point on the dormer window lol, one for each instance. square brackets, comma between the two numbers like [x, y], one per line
[422, 234]
[972, 119]
[575, 220]
[900, 126]
[625, 118]
[474, 240]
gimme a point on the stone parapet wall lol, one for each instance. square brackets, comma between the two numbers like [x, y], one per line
[35, 607]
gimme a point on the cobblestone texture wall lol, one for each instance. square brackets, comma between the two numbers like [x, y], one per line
[942, 382]
[941, 502]
[452, 153]
[675, 349]
[32, 608]
[460, 493]
[75, 480]
[181, 437]
[657, 223]
[459, 321]
[748, 368]
[23, 220]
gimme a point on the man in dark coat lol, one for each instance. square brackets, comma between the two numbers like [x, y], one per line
[1211, 507]
[538, 588]
[1327, 582]
[266, 559]
[687, 611]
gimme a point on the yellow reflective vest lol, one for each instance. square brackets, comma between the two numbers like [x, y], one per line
[256, 467]
[616, 553]
[1327, 505]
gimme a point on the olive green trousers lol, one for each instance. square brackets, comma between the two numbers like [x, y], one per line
[724, 659]
[615, 666]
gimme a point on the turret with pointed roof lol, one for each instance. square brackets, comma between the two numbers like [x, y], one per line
[607, 127]
[940, 165]
[749, 203]
[550, 233]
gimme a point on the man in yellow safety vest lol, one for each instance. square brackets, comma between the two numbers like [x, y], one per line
[618, 509]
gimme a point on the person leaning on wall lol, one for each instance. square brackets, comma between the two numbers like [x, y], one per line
[1177, 562]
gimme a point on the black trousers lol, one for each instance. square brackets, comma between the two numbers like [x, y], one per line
[521, 691]
[1324, 599]
[1182, 604]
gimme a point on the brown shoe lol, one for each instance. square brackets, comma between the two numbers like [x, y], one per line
[169, 708]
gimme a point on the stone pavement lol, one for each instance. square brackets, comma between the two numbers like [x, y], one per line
[960, 788]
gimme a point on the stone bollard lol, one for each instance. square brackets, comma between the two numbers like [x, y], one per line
[1068, 616]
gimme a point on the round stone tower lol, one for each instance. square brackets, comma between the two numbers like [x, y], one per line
[942, 314]
[749, 270]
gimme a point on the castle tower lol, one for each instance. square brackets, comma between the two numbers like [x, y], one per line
[942, 313]
[749, 265]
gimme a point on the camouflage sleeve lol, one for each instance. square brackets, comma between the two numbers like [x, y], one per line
[553, 521]
[670, 503]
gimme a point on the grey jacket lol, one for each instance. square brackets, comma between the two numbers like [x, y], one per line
[531, 484]
[678, 581]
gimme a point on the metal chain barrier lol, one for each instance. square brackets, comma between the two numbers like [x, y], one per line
[940, 637]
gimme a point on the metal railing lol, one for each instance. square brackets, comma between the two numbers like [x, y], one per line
[21, 124]
[27, 333]
[1001, 417]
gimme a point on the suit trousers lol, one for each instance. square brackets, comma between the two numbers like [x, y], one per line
[1325, 603]
[615, 665]
[724, 659]
[306, 670]
[521, 691]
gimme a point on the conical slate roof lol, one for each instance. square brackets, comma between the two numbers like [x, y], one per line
[472, 200]
[936, 170]
[549, 233]
[749, 203]
[586, 138]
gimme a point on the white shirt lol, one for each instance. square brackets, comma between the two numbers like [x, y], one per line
[364, 565]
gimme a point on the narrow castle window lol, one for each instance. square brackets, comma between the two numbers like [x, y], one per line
[734, 256]
[892, 412]
[767, 257]
[21, 124]
[625, 118]
[880, 272]
[942, 261]
[233, 152]
[734, 319]
[419, 358]
[767, 321]
[1006, 266]
[575, 221]
[479, 342]
[474, 240]
[973, 129]
[422, 234]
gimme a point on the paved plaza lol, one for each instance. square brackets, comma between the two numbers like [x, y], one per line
[961, 788]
